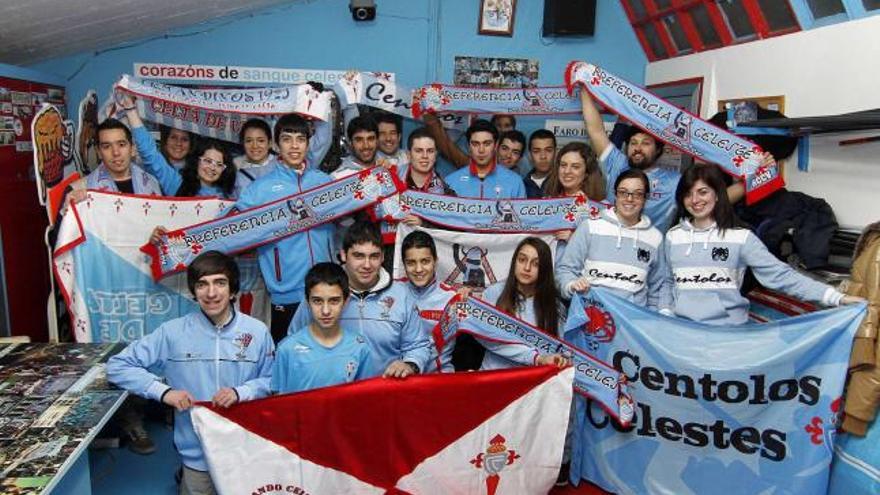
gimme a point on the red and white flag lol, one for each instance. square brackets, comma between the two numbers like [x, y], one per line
[495, 432]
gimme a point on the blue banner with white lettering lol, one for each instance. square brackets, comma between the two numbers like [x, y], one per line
[491, 215]
[436, 97]
[271, 222]
[696, 137]
[734, 410]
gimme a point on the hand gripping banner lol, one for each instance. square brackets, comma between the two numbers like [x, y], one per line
[592, 377]
[694, 136]
[375, 89]
[219, 112]
[272, 221]
[436, 98]
[488, 215]
[755, 407]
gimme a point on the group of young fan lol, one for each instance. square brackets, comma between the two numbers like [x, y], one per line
[356, 321]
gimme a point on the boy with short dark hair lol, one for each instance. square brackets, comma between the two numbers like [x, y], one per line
[284, 263]
[419, 253]
[542, 153]
[214, 354]
[390, 127]
[482, 178]
[383, 311]
[363, 138]
[322, 353]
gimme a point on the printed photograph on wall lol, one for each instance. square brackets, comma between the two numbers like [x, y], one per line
[496, 17]
[496, 72]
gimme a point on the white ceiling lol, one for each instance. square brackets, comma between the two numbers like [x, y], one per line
[35, 30]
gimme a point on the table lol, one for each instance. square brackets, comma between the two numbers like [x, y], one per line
[54, 399]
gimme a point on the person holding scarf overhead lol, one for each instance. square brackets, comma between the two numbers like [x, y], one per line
[642, 152]
[208, 172]
[284, 263]
[176, 145]
[708, 251]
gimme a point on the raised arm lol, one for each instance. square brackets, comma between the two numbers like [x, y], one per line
[593, 121]
[445, 146]
[152, 159]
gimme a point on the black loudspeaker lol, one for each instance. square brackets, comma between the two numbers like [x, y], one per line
[569, 17]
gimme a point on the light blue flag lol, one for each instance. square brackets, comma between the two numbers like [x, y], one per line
[733, 410]
[104, 278]
[856, 467]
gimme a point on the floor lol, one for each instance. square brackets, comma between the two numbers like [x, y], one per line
[116, 471]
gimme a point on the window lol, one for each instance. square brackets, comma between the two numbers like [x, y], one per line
[778, 15]
[654, 41]
[871, 4]
[737, 19]
[678, 35]
[637, 8]
[707, 32]
[825, 8]
[668, 28]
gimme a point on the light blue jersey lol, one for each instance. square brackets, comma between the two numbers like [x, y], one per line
[199, 357]
[501, 356]
[386, 316]
[499, 183]
[431, 301]
[284, 263]
[302, 363]
[628, 260]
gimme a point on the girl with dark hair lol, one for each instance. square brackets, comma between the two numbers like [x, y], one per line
[709, 250]
[620, 250]
[207, 172]
[529, 293]
[256, 140]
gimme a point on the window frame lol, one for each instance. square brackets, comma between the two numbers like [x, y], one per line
[680, 9]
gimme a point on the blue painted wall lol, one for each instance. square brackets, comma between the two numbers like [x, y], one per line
[416, 39]
[25, 74]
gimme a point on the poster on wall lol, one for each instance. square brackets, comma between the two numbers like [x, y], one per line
[52, 138]
[86, 134]
[496, 72]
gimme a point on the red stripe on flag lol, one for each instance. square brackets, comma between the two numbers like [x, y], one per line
[379, 430]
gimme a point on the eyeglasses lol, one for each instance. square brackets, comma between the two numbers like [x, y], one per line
[624, 194]
[212, 162]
